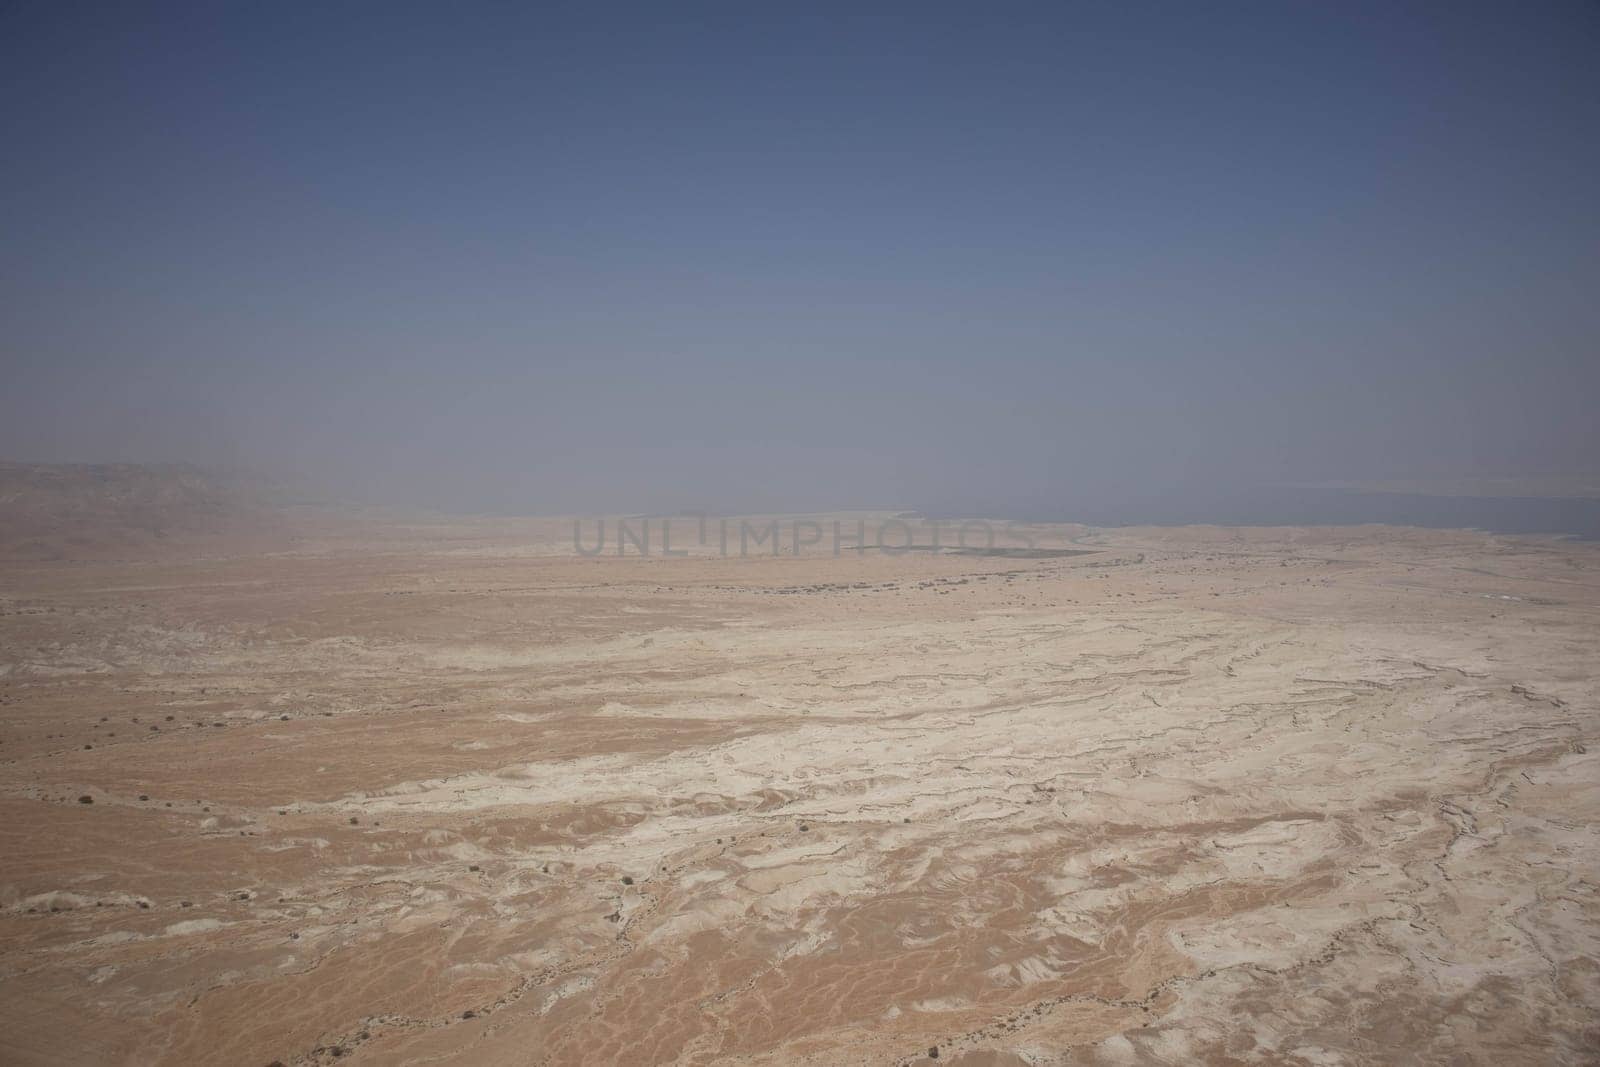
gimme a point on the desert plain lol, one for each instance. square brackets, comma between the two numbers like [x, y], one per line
[449, 791]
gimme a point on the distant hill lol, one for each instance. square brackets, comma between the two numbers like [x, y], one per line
[73, 511]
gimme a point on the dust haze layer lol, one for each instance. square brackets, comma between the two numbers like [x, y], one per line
[541, 261]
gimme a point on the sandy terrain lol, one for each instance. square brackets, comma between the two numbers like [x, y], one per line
[453, 793]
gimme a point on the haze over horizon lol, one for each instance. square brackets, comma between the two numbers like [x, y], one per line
[548, 260]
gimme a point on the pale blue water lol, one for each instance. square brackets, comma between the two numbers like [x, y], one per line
[1578, 518]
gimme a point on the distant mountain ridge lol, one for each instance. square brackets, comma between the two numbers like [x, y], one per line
[78, 510]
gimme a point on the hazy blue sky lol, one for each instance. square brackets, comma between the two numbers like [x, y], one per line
[545, 258]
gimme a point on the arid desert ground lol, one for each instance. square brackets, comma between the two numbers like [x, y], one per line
[450, 792]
